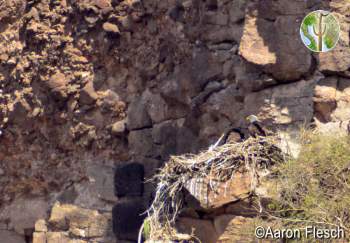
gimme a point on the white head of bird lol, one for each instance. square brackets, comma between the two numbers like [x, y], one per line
[252, 119]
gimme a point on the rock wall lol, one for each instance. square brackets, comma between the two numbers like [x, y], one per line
[70, 223]
[88, 85]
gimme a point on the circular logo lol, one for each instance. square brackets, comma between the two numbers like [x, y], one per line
[319, 31]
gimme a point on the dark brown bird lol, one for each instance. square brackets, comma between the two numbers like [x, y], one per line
[254, 127]
[233, 135]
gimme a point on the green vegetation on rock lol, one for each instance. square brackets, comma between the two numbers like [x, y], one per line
[315, 187]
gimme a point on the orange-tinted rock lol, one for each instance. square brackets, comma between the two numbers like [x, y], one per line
[224, 192]
[102, 3]
[58, 85]
[109, 27]
[57, 237]
[39, 237]
[40, 225]
[83, 223]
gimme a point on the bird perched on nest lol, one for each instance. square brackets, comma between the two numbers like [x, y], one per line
[233, 135]
[254, 127]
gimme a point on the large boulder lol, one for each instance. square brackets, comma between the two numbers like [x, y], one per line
[70, 223]
[80, 222]
[237, 188]
[268, 43]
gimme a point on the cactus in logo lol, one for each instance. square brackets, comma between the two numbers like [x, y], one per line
[319, 31]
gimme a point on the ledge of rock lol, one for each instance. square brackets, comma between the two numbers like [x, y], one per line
[70, 223]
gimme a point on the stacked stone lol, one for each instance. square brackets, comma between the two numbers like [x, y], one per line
[72, 224]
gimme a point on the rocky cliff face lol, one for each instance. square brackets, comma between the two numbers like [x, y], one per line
[88, 85]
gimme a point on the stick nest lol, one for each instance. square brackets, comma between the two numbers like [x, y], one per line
[219, 163]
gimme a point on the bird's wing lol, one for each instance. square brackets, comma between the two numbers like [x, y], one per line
[258, 129]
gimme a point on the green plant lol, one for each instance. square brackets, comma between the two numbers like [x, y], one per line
[146, 229]
[315, 187]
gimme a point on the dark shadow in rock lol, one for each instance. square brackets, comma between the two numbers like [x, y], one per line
[271, 38]
[128, 216]
[271, 41]
[128, 180]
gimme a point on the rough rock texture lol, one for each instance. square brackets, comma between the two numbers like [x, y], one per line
[88, 85]
[267, 42]
[233, 228]
[236, 189]
[203, 229]
[69, 223]
[224, 227]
